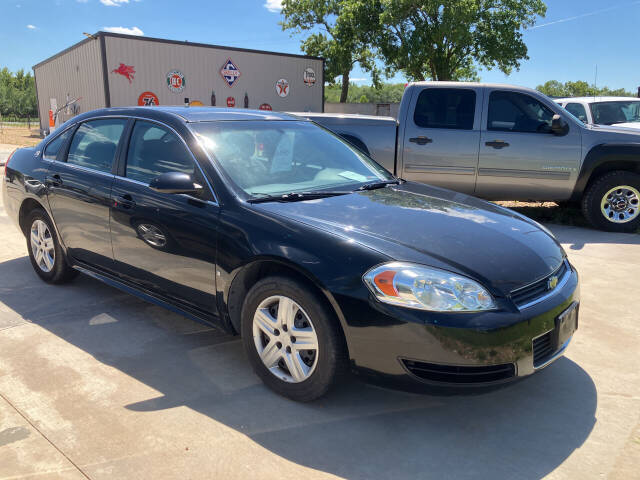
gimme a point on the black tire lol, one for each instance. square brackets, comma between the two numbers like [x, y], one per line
[596, 192]
[60, 272]
[332, 362]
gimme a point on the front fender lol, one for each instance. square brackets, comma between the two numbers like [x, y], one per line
[606, 157]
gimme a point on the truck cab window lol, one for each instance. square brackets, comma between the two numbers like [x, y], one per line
[518, 112]
[452, 108]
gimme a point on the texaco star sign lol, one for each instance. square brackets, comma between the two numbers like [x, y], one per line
[282, 87]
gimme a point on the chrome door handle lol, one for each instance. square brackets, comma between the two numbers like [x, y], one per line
[421, 140]
[497, 144]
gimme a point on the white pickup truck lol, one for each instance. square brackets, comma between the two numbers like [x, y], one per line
[502, 142]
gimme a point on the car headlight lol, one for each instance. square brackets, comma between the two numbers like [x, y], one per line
[427, 288]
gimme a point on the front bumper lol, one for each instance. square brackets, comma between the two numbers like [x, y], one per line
[467, 349]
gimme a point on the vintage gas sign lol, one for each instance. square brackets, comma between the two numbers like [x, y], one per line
[176, 81]
[282, 87]
[230, 72]
[127, 71]
[309, 77]
[148, 99]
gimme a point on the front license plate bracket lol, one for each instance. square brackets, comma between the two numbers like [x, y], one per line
[566, 325]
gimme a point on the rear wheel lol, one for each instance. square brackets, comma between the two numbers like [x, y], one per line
[293, 341]
[45, 252]
[612, 202]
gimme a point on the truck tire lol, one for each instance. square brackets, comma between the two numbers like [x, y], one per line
[279, 318]
[612, 202]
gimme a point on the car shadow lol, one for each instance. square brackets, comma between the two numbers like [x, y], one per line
[358, 431]
[578, 237]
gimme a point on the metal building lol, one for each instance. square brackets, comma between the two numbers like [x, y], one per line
[111, 70]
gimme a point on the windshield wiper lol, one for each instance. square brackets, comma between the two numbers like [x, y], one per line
[374, 185]
[297, 196]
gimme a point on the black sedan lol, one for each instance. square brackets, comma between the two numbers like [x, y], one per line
[275, 229]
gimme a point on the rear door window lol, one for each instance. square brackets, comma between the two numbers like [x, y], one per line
[95, 143]
[52, 149]
[452, 108]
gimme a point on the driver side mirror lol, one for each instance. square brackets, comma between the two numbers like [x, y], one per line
[175, 182]
[559, 126]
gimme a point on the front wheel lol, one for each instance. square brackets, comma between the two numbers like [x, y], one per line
[292, 340]
[612, 202]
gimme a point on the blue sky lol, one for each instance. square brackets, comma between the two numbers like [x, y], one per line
[575, 36]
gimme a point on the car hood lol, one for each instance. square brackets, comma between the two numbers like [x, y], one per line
[628, 131]
[432, 226]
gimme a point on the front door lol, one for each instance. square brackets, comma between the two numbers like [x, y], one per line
[440, 144]
[164, 243]
[520, 157]
[79, 190]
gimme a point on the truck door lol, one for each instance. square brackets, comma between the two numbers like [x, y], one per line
[441, 137]
[520, 157]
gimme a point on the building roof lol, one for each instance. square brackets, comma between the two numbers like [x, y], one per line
[102, 34]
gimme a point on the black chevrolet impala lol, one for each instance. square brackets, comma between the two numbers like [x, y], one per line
[275, 229]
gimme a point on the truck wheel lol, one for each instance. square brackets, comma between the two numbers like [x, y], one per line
[292, 340]
[612, 202]
[45, 252]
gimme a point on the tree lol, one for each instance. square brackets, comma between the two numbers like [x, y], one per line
[338, 37]
[579, 88]
[445, 40]
[17, 93]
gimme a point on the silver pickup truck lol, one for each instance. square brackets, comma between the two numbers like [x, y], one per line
[502, 142]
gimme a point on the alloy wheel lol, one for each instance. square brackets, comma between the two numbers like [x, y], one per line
[42, 246]
[621, 204]
[285, 339]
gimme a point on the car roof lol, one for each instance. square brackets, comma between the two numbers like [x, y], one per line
[192, 114]
[596, 99]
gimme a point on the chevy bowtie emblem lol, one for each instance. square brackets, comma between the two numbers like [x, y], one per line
[552, 283]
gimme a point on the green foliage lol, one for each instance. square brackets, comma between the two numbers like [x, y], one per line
[446, 40]
[17, 94]
[386, 93]
[580, 88]
[335, 34]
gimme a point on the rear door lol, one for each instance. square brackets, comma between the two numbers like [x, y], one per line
[79, 189]
[165, 243]
[520, 157]
[440, 144]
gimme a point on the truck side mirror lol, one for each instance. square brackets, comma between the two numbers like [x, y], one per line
[559, 126]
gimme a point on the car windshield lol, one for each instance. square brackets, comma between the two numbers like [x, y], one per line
[610, 113]
[280, 157]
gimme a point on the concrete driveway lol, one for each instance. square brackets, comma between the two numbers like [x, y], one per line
[97, 384]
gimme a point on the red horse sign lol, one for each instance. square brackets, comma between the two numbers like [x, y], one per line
[127, 71]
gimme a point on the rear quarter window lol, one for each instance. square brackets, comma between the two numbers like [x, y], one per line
[452, 108]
